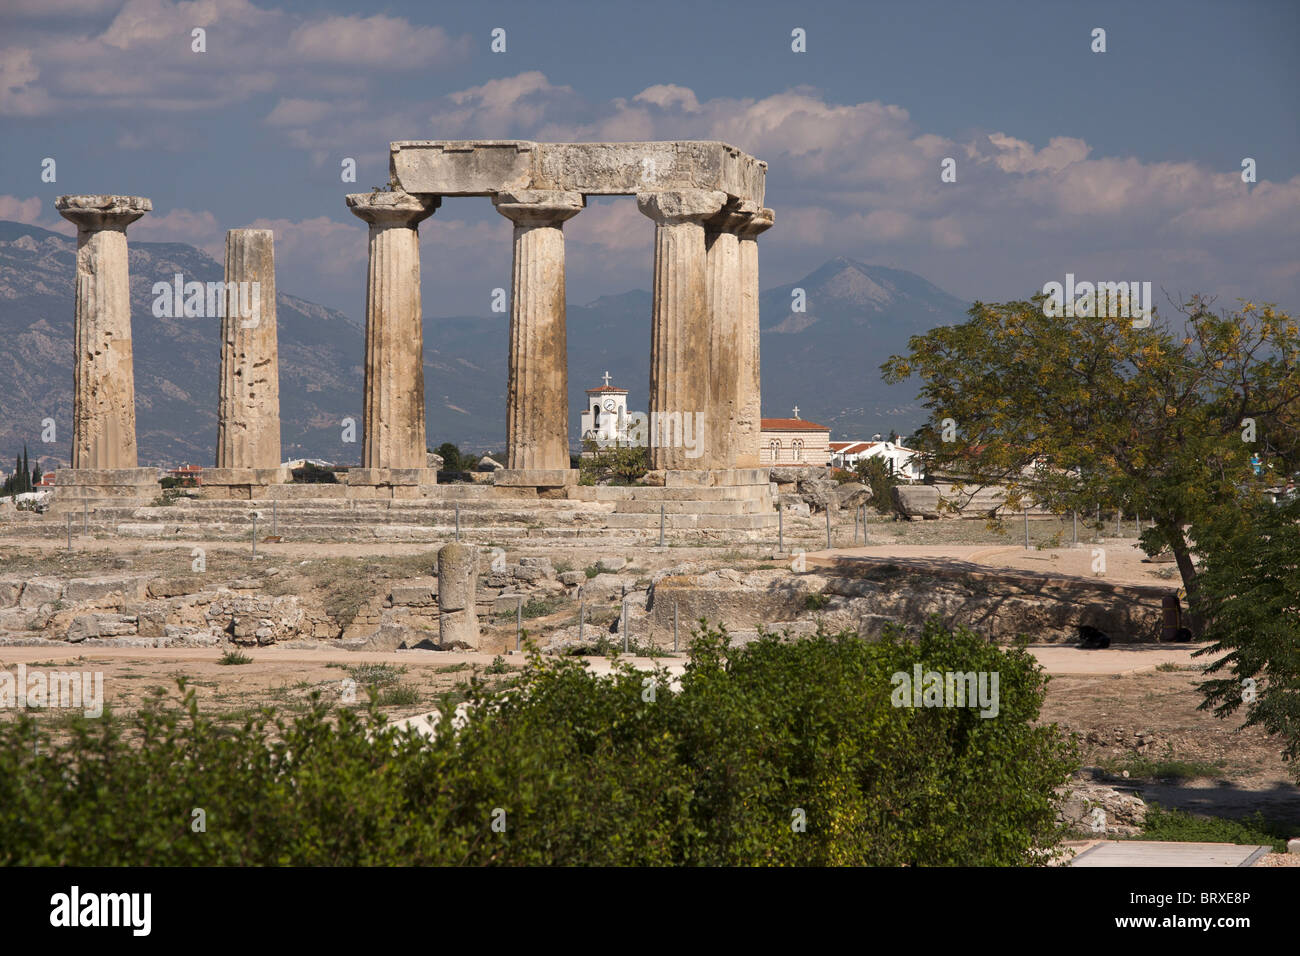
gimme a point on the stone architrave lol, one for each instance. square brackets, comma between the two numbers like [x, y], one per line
[747, 434]
[457, 575]
[680, 402]
[248, 419]
[103, 402]
[537, 393]
[393, 427]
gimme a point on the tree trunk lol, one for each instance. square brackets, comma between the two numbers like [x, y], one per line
[1183, 556]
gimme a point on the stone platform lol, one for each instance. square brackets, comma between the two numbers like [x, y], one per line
[74, 488]
[400, 504]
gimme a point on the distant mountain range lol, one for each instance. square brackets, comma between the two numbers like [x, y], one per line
[826, 358]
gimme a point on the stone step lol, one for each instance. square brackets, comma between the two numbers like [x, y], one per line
[749, 506]
[650, 493]
[678, 522]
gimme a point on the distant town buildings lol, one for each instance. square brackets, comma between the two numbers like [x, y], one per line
[795, 442]
[902, 462]
[192, 473]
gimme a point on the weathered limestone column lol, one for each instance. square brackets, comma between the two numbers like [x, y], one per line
[103, 399]
[394, 374]
[747, 434]
[725, 354]
[537, 391]
[248, 417]
[457, 575]
[679, 332]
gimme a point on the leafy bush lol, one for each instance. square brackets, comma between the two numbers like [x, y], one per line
[571, 768]
[618, 464]
[310, 474]
[874, 473]
[1179, 826]
[234, 657]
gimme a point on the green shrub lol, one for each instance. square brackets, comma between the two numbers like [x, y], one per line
[376, 675]
[399, 695]
[234, 657]
[620, 464]
[580, 769]
[1178, 826]
[310, 474]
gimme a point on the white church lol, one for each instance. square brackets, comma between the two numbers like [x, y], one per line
[605, 417]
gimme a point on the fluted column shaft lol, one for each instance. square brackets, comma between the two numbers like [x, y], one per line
[248, 416]
[394, 428]
[537, 388]
[747, 434]
[679, 332]
[725, 352]
[103, 398]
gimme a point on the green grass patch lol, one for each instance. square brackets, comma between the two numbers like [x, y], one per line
[376, 675]
[234, 657]
[399, 695]
[1179, 826]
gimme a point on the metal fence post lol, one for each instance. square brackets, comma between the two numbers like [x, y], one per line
[661, 524]
[519, 620]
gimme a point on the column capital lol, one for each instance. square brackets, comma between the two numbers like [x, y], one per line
[394, 208]
[539, 207]
[93, 213]
[732, 217]
[676, 206]
[758, 222]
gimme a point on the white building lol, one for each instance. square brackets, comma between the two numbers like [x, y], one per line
[906, 463]
[605, 417]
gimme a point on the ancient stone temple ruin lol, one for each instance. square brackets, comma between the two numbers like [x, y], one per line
[706, 202]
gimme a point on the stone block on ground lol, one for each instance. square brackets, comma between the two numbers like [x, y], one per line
[916, 501]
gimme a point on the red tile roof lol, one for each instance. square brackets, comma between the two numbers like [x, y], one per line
[792, 425]
[607, 388]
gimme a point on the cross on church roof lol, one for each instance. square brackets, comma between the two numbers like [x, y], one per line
[607, 379]
[796, 411]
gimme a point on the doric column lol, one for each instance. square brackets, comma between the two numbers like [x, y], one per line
[723, 246]
[103, 397]
[537, 390]
[248, 417]
[394, 375]
[679, 332]
[747, 434]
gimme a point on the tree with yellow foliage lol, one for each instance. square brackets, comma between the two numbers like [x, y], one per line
[1081, 412]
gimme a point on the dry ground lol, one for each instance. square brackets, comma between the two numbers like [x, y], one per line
[1194, 760]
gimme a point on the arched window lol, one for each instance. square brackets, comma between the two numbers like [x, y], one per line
[775, 446]
[796, 449]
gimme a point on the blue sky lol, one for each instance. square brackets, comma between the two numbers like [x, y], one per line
[1116, 165]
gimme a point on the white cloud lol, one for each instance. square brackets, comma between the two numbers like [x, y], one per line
[196, 227]
[144, 59]
[21, 210]
[388, 43]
